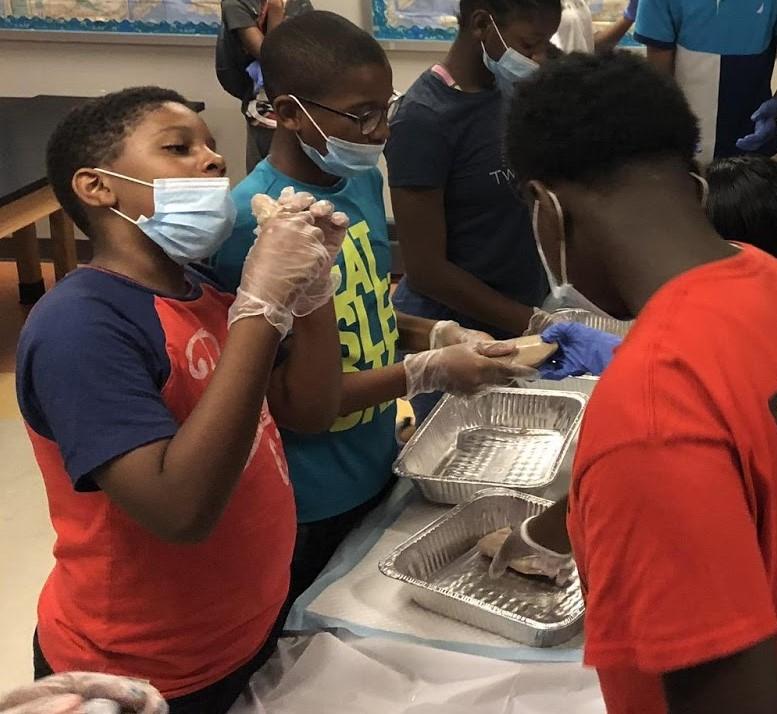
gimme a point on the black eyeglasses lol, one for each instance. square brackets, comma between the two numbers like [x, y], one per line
[370, 120]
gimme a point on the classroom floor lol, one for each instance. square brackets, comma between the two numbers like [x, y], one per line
[26, 535]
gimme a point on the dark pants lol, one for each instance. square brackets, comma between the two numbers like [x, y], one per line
[317, 542]
[258, 140]
[216, 698]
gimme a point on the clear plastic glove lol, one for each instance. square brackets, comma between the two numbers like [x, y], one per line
[520, 552]
[448, 332]
[77, 692]
[333, 223]
[539, 322]
[630, 13]
[581, 350]
[289, 256]
[765, 119]
[462, 369]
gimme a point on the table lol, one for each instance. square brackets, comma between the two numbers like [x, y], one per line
[25, 196]
[26, 123]
[337, 673]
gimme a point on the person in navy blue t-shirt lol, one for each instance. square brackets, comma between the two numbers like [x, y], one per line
[721, 52]
[467, 243]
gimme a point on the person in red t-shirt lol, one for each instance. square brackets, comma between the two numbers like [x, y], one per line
[672, 511]
[143, 389]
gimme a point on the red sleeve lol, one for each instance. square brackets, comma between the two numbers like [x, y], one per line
[670, 558]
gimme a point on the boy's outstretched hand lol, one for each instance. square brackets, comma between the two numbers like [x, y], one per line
[72, 692]
[288, 269]
[462, 369]
[448, 332]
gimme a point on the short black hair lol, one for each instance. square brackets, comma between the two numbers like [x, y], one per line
[742, 203]
[92, 135]
[503, 9]
[581, 117]
[307, 55]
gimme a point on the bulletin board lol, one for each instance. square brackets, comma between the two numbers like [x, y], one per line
[425, 20]
[420, 20]
[150, 17]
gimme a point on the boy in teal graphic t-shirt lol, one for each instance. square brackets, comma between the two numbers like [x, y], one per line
[331, 87]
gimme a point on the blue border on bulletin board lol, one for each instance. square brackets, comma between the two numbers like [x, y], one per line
[383, 31]
[112, 26]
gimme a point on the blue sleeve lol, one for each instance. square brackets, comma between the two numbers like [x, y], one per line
[417, 152]
[657, 24]
[228, 262]
[90, 379]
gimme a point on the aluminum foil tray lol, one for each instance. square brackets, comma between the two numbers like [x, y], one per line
[589, 319]
[447, 574]
[514, 438]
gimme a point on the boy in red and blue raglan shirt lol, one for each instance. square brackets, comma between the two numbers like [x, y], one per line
[143, 389]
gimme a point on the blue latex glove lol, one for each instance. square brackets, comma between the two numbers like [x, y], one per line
[630, 13]
[581, 350]
[765, 119]
[254, 71]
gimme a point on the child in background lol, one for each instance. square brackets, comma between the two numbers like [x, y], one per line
[467, 244]
[742, 203]
[143, 390]
[244, 25]
[331, 86]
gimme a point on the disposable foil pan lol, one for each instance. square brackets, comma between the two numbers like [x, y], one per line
[446, 573]
[584, 317]
[515, 438]
[584, 383]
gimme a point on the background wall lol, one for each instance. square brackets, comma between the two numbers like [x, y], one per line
[85, 68]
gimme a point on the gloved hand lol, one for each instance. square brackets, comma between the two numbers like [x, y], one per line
[581, 350]
[289, 256]
[71, 692]
[334, 224]
[520, 552]
[448, 332]
[630, 13]
[254, 71]
[765, 119]
[462, 369]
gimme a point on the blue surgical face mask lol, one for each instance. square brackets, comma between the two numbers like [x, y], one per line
[343, 158]
[192, 216]
[510, 67]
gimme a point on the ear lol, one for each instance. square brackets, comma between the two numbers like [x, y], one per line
[480, 24]
[288, 112]
[539, 192]
[93, 188]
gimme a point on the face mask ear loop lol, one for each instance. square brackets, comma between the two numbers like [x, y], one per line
[307, 114]
[562, 237]
[124, 216]
[536, 228]
[126, 178]
[705, 188]
[122, 176]
[499, 34]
